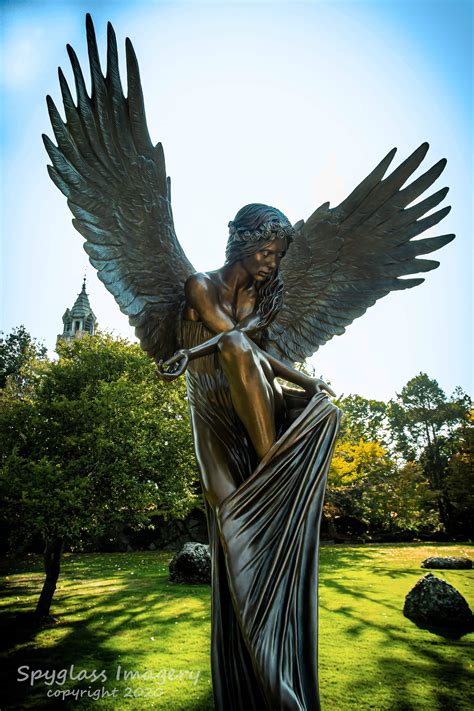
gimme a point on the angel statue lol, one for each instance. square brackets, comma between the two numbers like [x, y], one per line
[263, 447]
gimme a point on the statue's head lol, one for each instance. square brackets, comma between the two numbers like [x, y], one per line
[253, 226]
[256, 230]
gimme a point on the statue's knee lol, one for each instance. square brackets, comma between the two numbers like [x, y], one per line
[234, 345]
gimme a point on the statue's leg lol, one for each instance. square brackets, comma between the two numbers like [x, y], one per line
[251, 390]
[213, 459]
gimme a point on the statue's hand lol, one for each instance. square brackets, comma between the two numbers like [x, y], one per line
[174, 366]
[316, 385]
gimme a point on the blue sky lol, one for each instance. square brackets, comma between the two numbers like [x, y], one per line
[288, 103]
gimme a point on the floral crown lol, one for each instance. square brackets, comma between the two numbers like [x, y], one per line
[267, 231]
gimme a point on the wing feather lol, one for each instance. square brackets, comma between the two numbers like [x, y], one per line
[346, 258]
[117, 189]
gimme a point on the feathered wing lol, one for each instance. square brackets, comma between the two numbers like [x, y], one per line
[344, 259]
[117, 189]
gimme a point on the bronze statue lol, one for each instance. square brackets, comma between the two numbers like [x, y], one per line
[263, 448]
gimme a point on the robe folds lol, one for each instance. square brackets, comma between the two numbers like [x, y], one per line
[264, 545]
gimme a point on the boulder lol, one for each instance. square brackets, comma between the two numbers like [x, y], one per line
[447, 562]
[435, 603]
[192, 564]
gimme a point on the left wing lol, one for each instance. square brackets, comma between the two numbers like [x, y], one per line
[344, 259]
[116, 185]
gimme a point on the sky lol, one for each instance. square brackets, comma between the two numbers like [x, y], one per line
[286, 103]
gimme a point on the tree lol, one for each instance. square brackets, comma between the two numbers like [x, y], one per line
[354, 461]
[357, 469]
[427, 426]
[370, 486]
[460, 480]
[16, 350]
[97, 440]
[399, 501]
[363, 419]
[370, 491]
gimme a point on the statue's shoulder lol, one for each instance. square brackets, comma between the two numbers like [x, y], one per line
[199, 280]
[199, 284]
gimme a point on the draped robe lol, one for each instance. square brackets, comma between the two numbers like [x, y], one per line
[264, 544]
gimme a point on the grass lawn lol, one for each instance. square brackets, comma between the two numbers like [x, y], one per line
[118, 613]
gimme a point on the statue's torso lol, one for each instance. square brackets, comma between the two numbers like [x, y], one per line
[237, 306]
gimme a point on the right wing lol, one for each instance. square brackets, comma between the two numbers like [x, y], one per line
[344, 259]
[117, 189]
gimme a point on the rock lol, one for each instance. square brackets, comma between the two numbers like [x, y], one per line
[436, 603]
[447, 562]
[191, 565]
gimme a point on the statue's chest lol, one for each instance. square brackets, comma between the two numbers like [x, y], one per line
[239, 308]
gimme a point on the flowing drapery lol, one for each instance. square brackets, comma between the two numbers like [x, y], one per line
[264, 547]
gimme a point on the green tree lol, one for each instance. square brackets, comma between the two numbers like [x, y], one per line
[370, 491]
[363, 419]
[427, 426]
[355, 461]
[359, 470]
[17, 349]
[369, 486]
[460, 480]
[98, 440]
[399, 500]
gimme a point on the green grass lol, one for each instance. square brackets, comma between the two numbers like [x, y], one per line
[370, 655]
[120, 609]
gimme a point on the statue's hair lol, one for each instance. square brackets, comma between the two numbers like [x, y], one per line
[252, 225]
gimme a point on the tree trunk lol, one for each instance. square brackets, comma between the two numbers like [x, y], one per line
[52, 560]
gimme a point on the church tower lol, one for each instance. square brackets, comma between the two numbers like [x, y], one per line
[80, 319]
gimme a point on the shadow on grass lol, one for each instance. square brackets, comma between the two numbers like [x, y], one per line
[122, 592]
[124, 606]
[450, 634]
[415, 661]
[451, 689]
[206, 703]
[354, 591]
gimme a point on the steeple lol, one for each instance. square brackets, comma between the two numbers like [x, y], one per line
[80, 319]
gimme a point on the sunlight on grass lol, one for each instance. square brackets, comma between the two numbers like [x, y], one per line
[370, 655]
[149, 639]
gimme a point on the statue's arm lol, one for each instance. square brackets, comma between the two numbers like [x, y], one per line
[309, 384]
[202, 297]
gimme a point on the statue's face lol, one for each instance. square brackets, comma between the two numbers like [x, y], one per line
[266, 260]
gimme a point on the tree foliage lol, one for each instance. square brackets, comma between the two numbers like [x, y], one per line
[17, 350]
[363, 419]
[460, 479]
[427, 426]
[355, 467]
[355, 461]
[405, 465]
[422, 416]
[368, 491]
[94, 440]
[98, 439]
[89, 441]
